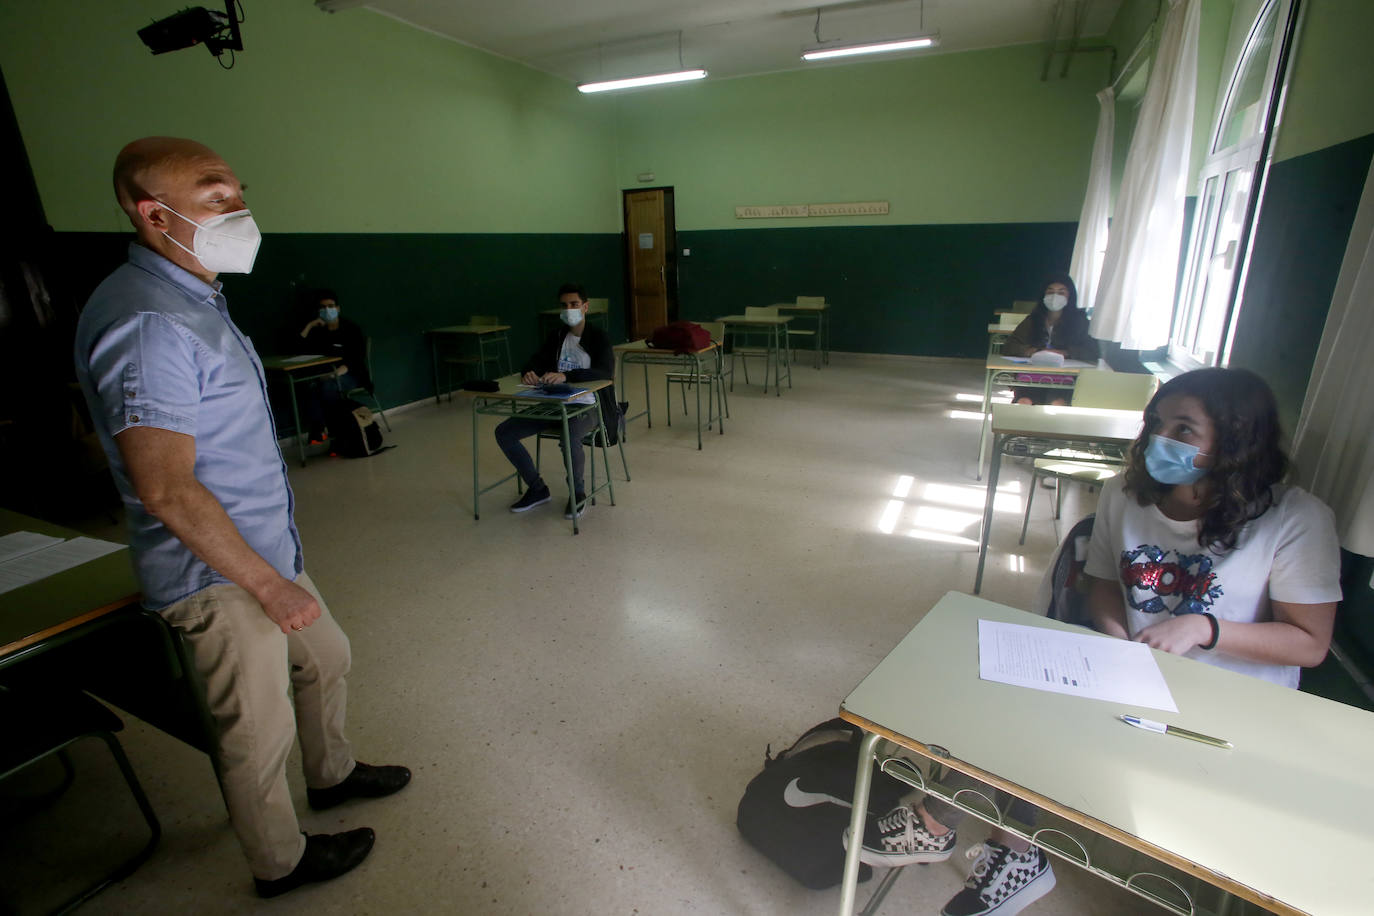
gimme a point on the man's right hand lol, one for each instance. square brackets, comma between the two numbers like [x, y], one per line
[289, 606]
[530, 378]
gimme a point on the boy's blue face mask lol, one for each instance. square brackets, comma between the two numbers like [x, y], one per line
[329, 314]
[1171, 462]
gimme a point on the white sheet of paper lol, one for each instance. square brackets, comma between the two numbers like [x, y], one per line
[18, 543]
[289, 360]
[1079, 664]
[50, 560]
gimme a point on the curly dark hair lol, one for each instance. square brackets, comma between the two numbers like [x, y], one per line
[1247, 457]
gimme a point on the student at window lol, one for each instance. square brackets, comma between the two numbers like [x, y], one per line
[1199, 549]
[1058, 325]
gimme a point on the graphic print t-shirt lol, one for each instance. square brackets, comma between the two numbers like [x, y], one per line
[572, 356]
[1289, 554]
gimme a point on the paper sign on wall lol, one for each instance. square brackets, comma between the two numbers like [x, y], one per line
[646, 240]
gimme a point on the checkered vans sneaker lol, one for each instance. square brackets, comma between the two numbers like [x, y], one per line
[1003, 882]
[899, 838]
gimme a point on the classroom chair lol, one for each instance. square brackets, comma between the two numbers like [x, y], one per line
[683, 380]
[592, 439]
[480, 358]
[751, 347]
[1094, 388]
[813, 333]
[42, 723]
[371, 393]
[1023, 306]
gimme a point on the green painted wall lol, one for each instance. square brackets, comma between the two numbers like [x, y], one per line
[1329, 100]
[350, 122]
[958, 138]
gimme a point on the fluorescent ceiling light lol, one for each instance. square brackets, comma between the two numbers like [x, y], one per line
[653, 79]
[872, 47]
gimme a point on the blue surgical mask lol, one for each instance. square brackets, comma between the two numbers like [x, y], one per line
[1171, 462]
[1055, 301]
[572, 317]
[329, 314]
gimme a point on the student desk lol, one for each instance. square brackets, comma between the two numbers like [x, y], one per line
[1034, 431]
[486, 335]
[1281, 820]
[48, 612]
[515, 400]
[299, 369]
[814, 311]
[704, 366]
[1003, 371]
[777, 350]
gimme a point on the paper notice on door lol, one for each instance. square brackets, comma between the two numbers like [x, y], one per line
[1081, 664]
[646, 241]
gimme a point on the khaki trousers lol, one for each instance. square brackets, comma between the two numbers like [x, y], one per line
[248, 664]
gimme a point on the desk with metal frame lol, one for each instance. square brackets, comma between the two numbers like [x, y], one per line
[1301, 767]
[299, 369]
[704, 366]
[485, 335]
[48, 612]
[514, 400]
[815, 311]
[1094, 434]
[777, 350]
[1003, 371]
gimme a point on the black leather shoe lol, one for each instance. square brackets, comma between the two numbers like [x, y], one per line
[327, 855]
[364, 782]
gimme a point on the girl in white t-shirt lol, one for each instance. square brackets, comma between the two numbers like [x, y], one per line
[1199, 548]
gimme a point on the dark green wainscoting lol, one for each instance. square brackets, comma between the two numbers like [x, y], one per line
[1304, 226]
[396, 286]
[918, 290]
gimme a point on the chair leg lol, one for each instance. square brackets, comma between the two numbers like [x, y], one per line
[1030, 497]
[1058, 498]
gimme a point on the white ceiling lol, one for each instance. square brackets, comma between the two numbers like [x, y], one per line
[581, 40]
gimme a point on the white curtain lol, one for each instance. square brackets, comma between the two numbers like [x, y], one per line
[1135, 295]
[1334, 443]
[1090, 244]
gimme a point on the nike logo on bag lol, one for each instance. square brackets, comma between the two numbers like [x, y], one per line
[796, 797]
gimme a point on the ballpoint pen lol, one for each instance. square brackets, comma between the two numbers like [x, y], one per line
[1152, 726]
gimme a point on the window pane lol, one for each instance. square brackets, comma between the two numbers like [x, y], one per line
[1186, 327]
[1223, 261]
[1245, 114]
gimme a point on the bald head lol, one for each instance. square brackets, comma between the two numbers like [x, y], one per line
[156, 168]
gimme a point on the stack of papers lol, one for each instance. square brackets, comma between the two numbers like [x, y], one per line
[26, 556]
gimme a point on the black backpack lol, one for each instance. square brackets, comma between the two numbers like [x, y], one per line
[795, 812]
[353, 432]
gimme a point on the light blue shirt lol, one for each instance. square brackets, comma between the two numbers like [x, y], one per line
[155, 347]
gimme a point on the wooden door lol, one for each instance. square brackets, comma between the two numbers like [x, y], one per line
[649, 263]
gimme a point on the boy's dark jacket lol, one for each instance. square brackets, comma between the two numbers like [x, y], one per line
[597, 343]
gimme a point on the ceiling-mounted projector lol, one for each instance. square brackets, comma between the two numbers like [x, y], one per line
[218, 31]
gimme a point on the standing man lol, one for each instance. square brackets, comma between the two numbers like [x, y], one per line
[177, 395]
[576, 352]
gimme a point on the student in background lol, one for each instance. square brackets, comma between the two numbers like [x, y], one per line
[576, 352]
[1199, 549]
[332, 335]
[1058, 325]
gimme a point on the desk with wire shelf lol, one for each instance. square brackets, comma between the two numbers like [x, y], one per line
[704, 366]
[1281, 820]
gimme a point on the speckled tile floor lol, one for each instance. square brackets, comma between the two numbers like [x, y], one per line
[582, 714]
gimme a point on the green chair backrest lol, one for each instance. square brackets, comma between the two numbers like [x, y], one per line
[715, 328]
[810, 300]
[1023, 306]
[760, 311]
[485, 320]
[1114, 390]
[598, 306]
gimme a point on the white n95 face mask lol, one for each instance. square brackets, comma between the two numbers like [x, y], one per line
[1055, 301]
[224, 244]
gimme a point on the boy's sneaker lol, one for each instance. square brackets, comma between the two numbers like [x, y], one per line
[579, 503]
[1002, 882]
[900, 838]
[535, 496]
